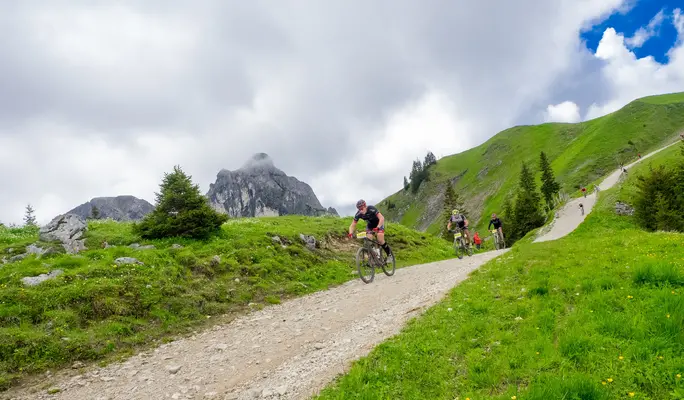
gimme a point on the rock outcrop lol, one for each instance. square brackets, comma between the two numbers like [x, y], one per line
[119, 208]
[260, 189]
[67, 229]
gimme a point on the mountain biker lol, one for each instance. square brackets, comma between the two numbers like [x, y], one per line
[497, 224]
[462, 223]
[375, 223]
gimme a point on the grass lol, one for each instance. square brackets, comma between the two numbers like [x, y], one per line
[97, 310]
[598, 314]
[580, 154]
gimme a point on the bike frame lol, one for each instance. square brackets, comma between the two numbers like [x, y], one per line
[371, 245]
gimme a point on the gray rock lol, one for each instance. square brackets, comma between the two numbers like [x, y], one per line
[127, 260]
[67, 229]
[260, 189]
[119, 208]
[309, 241]
[623, 209]
[18, 257]
[176, 246]
[33, 249]
[215, 261]
[139, 247]
[35, 280]
[173, 369]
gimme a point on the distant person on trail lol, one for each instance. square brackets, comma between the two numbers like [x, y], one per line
[477, 240]
[375, 223]
[639, 155]
[584, 191]
[461, 222]
[581, 206]
[497, 224]
[596, 189]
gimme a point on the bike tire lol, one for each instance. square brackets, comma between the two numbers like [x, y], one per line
[458, 248]
[469, 249]
[502, 242]
[386, 268]
[359, 264]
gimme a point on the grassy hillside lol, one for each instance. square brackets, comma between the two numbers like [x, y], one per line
[97, 309]
[598, 314]
[580, 153]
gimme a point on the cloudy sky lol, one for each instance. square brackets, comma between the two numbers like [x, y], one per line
[100, 99]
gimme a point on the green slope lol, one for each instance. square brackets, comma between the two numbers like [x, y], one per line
[106, 310]
[598, 314]
[580, 154]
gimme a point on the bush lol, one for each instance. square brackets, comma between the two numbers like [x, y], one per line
[181, 211]
[659, 204]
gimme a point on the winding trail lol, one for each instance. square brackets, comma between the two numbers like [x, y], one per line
[569, 217]
[285, 351]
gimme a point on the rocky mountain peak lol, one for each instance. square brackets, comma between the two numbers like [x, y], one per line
[258, 188]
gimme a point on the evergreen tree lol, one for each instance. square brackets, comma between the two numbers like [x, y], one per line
[658, 203]
[416, 176]
[95, 213]
[406, 184]
[29, 218]
[527, 209]
[549, 185]
[508, 219]
[430, 159]
[180, 210]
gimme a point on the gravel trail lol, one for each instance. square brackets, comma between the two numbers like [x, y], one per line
[286, 351]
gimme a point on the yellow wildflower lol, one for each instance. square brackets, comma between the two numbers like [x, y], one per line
[610, 380]
[621, 358]
[603, 382]
[631, 394]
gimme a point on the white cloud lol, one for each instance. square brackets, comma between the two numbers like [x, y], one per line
[644, 33]
[628, 77]
[566, 111]
[100, 100]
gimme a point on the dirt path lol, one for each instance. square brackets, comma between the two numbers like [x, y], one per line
[570, 216]
[287, 351]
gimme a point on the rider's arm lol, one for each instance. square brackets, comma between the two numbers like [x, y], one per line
[465, 221]
[352, 227]
[381, 219]
[490, 224]
[449, 225]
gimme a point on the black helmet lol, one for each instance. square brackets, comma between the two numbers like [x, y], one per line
[360, 203]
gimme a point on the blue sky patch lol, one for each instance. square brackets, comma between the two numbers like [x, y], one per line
[664, 35]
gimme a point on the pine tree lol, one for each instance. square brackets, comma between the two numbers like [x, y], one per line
[508, 219]
[406, 184]
[180, 210]
[430, 159]
[549, 185]
[416, 175]
[95, 213]
[29, 218]
[527, 209]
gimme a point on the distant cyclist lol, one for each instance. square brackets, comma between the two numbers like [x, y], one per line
[461, 222]
[497, 224]
[375, 223]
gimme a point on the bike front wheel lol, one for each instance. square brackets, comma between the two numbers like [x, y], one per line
[364, 265]
[390, 265]
[458, 248]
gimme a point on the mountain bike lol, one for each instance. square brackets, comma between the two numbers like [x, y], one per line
[369, 256]
[499, 242]
[459, 244]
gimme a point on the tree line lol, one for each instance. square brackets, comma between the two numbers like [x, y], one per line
[420, 172]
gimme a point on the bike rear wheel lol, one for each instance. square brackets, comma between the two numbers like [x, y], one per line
[364, 265]
[502, 242]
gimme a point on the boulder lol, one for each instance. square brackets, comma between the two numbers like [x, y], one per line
[35, 280]
[67, 229]
[623, 209]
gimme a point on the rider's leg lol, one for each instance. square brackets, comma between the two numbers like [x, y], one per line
[466, 233]
[381, 240]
